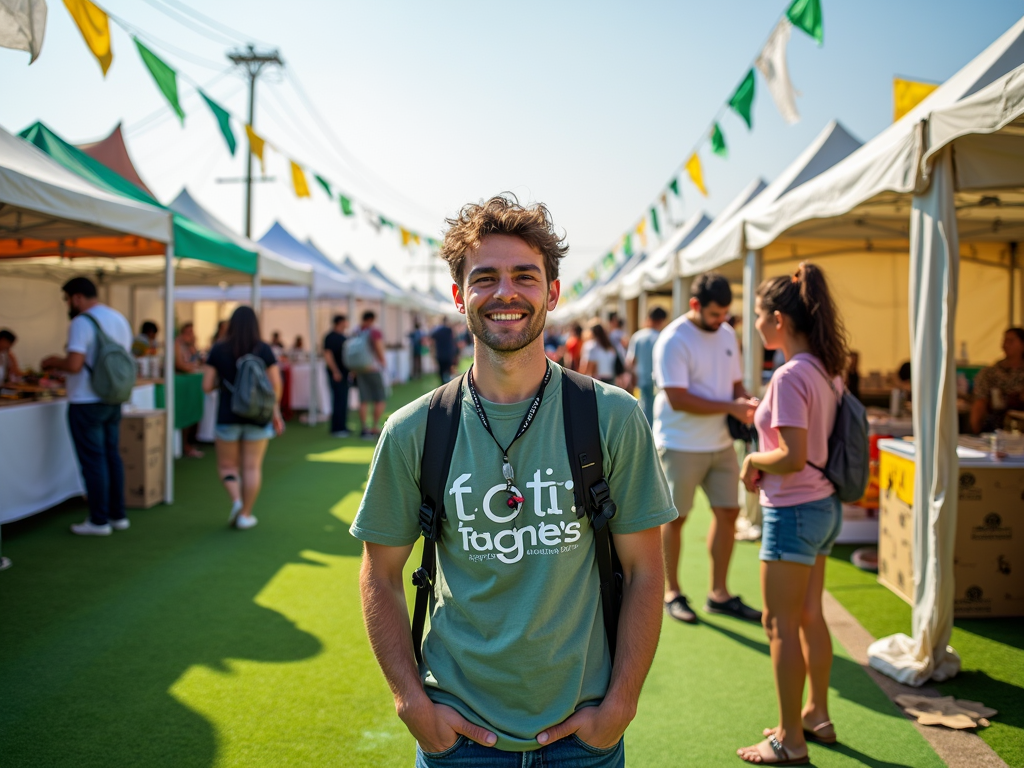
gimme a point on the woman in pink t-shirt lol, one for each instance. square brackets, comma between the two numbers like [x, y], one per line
[802, 514]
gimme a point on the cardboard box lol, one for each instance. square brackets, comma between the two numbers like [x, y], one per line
[142, 454]
[988, 569]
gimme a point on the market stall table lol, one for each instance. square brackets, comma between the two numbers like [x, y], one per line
[299, 400]
[188, 399]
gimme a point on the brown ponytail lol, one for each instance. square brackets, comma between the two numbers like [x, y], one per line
[805, 299]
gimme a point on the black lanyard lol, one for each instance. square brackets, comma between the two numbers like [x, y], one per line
[506, 467]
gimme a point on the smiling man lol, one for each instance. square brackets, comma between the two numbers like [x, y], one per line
[516, 666]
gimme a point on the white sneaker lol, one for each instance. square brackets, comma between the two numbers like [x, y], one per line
[87, 528]
[245, 522]
[121, 525]
[236, 507]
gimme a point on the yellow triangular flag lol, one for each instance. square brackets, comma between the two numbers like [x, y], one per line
[95, 28]
[256, 144]
[406, 236]
[907, 94]
[696, 174]
[415, 238]
[641, 231]
[299, 180]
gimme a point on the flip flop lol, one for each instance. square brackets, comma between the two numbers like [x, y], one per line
[781, 754]
[813, 735]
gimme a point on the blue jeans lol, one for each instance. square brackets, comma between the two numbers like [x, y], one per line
[96, 431]
[339, 405]
[800, 533]
[569, 752]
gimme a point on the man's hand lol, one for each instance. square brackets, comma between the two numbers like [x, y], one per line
[436, 727]
[600, 727]
[53, 361]
[743, 409]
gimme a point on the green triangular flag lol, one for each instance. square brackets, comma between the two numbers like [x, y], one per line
[223, 120]
[325, 184]
[654, 222]
[627, 246]
[806, 15]
[609, 261]
[674, 186]
[742, 101]
[718, 142]
[346, 205]
[385, 223]
[166, 78]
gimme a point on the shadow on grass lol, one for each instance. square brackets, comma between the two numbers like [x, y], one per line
[860, 757]
[96, 631]
[1000, 695]
[848, 678]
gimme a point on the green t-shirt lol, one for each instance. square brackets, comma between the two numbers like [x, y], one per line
[516, 641]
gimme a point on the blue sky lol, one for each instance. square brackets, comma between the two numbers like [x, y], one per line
[588, 107]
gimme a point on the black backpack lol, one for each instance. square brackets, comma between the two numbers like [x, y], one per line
[590, 491]
[849, 461]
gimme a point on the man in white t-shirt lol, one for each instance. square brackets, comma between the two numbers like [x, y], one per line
[95, 425]
[697, 368]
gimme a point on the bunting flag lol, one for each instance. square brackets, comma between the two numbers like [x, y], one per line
[23, 26]
[771, 63]
[718, 142]
[94, 25]
[385, 222]
[223, 120]
[406, 236]
[299, 180]
[742, 102]
[641, 232]
[627, 246]
[165, 77]
[256, 145]
[907, 94]
[608, 261]
[654, 222]
[674, 186]
[346, 206]
[696, 173]
[806, 15]
[325, 184]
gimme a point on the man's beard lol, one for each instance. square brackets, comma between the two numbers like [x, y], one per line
[73, 312]
[507, 342]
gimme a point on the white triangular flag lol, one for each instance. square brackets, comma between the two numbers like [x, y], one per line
[772, 64]
[23, 25]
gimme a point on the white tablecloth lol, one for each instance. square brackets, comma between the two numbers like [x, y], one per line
[300, 388]
[38, 465]
[208, 424]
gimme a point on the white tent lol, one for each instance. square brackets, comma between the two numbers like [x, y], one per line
[659, 264]
[949, 172]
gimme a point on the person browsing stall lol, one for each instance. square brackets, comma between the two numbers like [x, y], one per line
[95, 425]
[999, 388]
[640, 358]
[516, 659]
[334, 343]
[9, 370]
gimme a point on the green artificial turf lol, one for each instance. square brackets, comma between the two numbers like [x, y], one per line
[992, 651]
[183, 643]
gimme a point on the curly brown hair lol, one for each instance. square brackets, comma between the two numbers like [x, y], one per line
[502, 215]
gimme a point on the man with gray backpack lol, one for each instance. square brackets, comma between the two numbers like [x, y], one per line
[100, 376]
[363, 354]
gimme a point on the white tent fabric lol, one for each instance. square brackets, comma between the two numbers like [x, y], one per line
[747, 196]
[273, 267]
[935, 262]
[888, 162]
[64, 204]
[23, 25]
[328, 280]
[365, 288]
[659, 267]
[725, 242]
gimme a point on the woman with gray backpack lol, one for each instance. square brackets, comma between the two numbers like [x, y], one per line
[812, 457]
[244, 370]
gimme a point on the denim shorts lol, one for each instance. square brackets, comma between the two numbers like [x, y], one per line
[570, 752]
[232, 433]
[800, 533]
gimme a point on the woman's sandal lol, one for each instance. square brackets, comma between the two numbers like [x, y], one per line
[814, 734]
[781, 755]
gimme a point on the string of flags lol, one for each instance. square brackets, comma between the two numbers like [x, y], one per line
[771, 63]
[94, 25]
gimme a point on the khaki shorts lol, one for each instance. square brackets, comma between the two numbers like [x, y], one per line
[717, 472]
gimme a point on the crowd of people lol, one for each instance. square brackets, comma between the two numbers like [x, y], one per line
[485, 685]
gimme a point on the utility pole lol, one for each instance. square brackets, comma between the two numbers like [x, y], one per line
[252, 63]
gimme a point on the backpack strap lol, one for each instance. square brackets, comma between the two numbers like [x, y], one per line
[100, 335]
[839, 397]
[590, 488]
[438, 449]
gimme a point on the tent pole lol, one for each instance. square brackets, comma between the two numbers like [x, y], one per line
[753, 352]
[314, 371]
[169, 374]
[641, 309]
[1013, 267]
[352, 312]
[677, 297]
[133, 303]
[256, 290]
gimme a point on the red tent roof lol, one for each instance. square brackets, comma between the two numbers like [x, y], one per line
[112, 152]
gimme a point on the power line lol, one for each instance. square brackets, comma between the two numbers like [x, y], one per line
[170, 12]
[240, 37]
[134, 31]
[157, 116]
